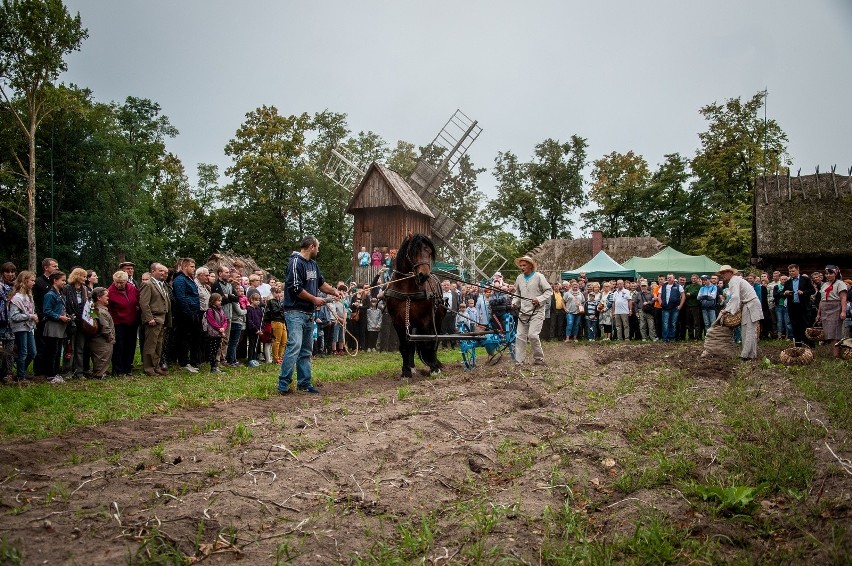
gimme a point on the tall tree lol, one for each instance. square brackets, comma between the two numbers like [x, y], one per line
[619, 188]
[737, 147]
[35, 37]
[270, 201]
[677, 213]
[540, 198]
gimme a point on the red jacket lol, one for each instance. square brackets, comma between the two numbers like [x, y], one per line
[124, 305]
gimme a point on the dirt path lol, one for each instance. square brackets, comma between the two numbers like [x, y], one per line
[475, 458]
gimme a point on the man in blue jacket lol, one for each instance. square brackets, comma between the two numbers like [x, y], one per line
[301, 297]
[187, 316]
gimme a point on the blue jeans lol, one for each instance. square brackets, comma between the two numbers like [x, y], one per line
[572, 325]
[233, 342]
[709, 316]
[670, 324]
[782, 318]
[25, 342]
[300, 345]
[591, 328]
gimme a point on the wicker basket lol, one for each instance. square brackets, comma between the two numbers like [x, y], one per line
[845, 353]
[732, 320]
[817, 334]
[797, 356]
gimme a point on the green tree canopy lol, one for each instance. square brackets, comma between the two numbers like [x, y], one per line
[35, 37]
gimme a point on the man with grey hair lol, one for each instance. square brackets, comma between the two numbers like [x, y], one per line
[743, 298]
[155, 308]
[622, 308]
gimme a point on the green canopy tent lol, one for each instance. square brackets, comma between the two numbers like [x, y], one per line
[669, 260]
[601, 267]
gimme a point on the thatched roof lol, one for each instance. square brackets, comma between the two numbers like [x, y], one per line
[800, 217]
[229, 260]
[556, 256]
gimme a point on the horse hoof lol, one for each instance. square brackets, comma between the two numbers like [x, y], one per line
[435, 371]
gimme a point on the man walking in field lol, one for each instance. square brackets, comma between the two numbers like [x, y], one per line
[743, 297]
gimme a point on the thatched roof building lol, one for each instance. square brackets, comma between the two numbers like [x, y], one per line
[245, 263]
[556, 256]
[802, 219]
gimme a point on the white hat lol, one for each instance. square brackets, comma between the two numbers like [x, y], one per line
[528, 259]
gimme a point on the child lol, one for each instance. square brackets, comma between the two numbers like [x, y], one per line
[217, 324]
[254, 328]
[275, 316]
[338, 313]
[23, 320]
[238, 322]
[472, 314]
[374, 324]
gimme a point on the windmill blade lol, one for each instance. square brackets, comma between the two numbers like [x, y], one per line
[342, 169]
[451, 144]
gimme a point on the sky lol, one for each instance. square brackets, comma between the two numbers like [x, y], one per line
[625, 75]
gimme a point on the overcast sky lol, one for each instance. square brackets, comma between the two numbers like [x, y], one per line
[626, 75]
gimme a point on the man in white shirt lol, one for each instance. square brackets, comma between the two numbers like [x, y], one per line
[742, 296]
[622, 308]
[532, 292]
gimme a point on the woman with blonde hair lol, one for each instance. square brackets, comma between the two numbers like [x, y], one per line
[76, 297]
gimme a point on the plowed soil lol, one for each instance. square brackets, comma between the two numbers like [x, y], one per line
[323, 479]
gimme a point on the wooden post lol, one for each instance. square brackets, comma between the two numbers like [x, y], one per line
[850, 180]
[789, 185]
[833, 182]
[801, 184]
[819, 192]
[777, 185]
[765, 195]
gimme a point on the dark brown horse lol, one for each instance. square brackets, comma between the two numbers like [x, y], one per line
[415, 302]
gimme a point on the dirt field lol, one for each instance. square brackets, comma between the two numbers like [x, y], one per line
[588, 459]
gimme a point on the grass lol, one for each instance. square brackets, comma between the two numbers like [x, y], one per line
[43, 410]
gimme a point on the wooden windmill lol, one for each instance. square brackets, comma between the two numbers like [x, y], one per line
[386, 207]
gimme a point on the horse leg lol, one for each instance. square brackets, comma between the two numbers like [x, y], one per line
[406, 350]
[429, 353]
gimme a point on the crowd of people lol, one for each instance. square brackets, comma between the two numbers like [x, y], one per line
[672, 308]
[62, 326]
[70, 326]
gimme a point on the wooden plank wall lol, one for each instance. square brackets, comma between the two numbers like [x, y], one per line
[385, 227]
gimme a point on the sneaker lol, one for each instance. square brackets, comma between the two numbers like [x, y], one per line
[287, 392]
[235, 365]
[253, 363]
[190, 368]
[56, 379]
[216, 370]
[309, 389]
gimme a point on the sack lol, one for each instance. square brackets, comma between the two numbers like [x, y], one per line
[54, 329]
[92, 329]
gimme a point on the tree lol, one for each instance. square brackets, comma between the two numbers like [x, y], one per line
[35, 37]
[539, 198]
[737, 147]
[621, 192]
[677, 213]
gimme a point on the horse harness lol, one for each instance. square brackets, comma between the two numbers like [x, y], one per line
[431, 292]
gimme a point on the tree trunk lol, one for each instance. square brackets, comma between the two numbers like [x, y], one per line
[31, 178]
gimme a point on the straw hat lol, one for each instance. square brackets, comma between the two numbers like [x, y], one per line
[528, 259]
[725, 268]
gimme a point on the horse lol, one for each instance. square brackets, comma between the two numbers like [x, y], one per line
[415, 302]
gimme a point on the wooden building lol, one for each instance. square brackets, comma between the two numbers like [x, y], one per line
[386, 209]
[802, 219]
